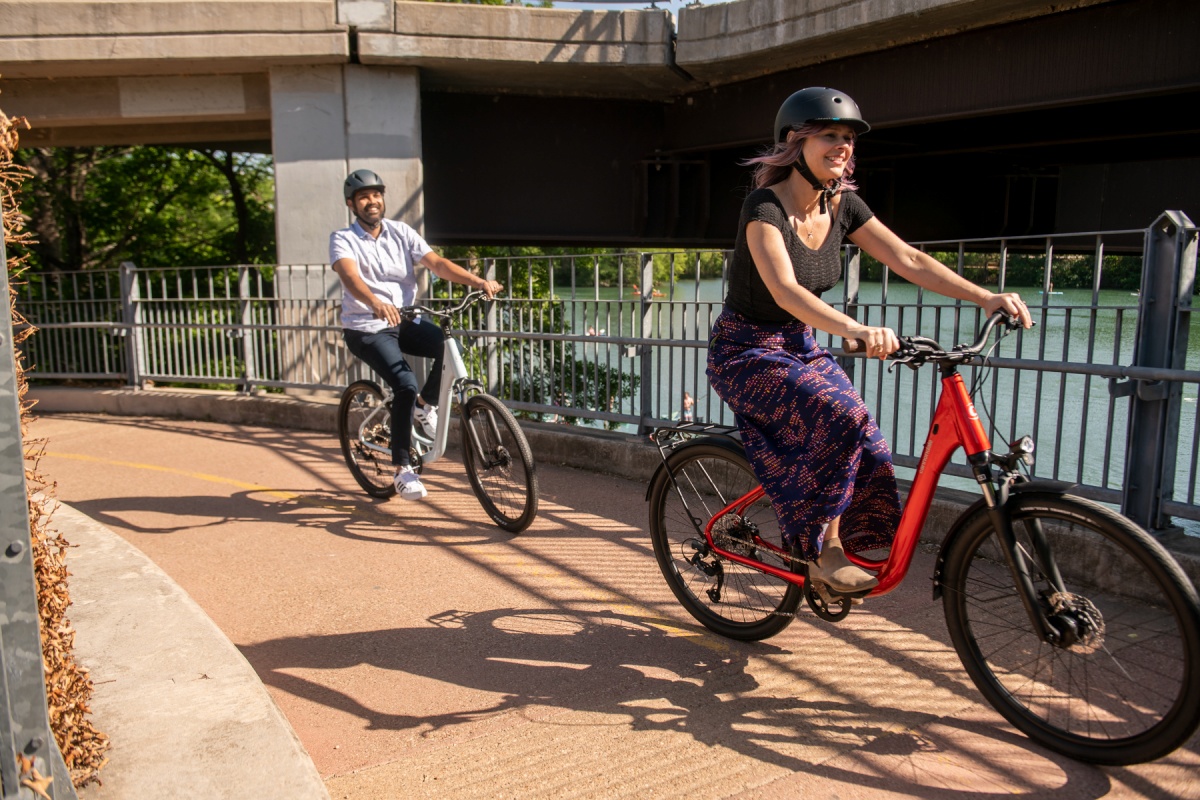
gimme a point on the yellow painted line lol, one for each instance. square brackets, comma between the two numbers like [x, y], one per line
[553, 574]
[202, 476]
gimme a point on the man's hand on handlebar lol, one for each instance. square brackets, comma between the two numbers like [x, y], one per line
[386, 312]
[491, 288]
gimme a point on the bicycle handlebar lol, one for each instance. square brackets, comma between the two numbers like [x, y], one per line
[469, 299]
[917, 350]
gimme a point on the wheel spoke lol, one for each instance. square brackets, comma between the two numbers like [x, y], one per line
[1110, 692]
[707, 478]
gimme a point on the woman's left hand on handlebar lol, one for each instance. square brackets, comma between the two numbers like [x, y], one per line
[880, 342]
[1012, 304]
[491, 288]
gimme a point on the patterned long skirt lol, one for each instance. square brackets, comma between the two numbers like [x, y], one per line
[809, 438]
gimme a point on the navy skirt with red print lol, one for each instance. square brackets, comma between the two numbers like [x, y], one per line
[809, 438]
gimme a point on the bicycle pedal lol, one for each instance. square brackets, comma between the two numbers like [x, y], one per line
[830, 597]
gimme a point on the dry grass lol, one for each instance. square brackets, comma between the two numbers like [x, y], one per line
[68, 685]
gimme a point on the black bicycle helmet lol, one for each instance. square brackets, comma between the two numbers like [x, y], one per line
[818, 104]
[361, 179]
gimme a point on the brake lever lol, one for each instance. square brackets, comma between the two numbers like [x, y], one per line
[909, 359]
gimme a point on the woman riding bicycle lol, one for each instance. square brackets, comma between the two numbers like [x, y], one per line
[811, 441]
[376, 259]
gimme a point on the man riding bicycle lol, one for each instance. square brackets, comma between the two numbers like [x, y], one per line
[376, 259]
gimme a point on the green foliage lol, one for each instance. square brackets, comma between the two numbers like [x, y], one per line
[546, 373]
[605, 267]
[1067, 271]
[95, 207]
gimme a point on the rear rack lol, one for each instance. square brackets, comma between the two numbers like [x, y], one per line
[668, 437]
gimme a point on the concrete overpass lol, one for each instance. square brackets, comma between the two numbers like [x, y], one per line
[507, 124]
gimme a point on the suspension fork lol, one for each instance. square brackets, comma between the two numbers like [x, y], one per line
[462, 389]
[998, 500]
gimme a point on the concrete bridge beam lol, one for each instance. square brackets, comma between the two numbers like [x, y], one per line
[84, 38]
[730, 42]
[514, 49]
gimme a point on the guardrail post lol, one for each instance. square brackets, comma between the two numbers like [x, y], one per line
[1164, 315]
[130, 297]
[645, 352]
[247, 334]
[492, 324]
[853, 276]
[24, 722]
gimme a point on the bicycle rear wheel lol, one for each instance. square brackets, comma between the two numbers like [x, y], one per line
[499, 463]
[1127, 690]
[363, 417]
[726, 597]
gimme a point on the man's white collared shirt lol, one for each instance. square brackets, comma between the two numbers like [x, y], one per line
[387, 266]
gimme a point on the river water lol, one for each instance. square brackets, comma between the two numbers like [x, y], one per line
[1079, 428]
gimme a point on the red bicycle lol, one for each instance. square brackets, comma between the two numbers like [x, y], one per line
[1074, 623]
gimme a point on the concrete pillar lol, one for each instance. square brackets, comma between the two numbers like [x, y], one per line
[383, 133]
[327, 121]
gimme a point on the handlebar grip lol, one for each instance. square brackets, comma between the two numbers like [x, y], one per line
[854, 345]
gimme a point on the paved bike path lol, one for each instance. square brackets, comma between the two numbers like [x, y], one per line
[418, 651]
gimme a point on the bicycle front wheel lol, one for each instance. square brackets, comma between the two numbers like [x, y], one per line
[499, 463]
[726, 597]
[1122, 686]
[364, 424]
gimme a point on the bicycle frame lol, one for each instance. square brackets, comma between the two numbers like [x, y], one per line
[955, 424]
[456, 383]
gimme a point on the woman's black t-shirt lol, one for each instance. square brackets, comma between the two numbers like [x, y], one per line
[816, 270]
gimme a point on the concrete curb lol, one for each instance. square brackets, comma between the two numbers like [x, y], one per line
[186, 713]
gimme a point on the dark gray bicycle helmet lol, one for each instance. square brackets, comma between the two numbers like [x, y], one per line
[818, 104]
[361, 179]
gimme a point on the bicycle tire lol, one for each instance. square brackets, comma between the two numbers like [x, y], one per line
[1131, 695]
[750, 605]
[505, 478]
[372, 471]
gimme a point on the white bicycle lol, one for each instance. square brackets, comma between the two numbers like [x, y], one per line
[496, 454]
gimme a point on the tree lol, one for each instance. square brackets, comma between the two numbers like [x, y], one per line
[94, 207]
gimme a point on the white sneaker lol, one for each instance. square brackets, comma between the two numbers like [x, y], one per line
[426, 417]
[409, 485]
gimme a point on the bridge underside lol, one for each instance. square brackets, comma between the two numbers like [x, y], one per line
[1074, 121]
[1016, 129]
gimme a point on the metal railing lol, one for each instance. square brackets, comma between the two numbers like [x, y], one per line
[1104, 382]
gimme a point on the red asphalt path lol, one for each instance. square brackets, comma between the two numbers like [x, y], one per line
[419, 651]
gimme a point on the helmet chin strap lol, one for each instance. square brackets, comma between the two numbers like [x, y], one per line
[827, 191]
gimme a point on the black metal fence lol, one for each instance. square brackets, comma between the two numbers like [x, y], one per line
[1105, 382]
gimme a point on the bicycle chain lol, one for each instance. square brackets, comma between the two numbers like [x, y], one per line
[722, 532]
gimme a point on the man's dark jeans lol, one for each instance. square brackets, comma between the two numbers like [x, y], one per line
[384, 352]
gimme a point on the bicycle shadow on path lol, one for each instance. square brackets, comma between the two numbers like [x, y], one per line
[874, 706]
[558, 673]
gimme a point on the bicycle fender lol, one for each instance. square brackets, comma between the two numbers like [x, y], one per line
[660, 474]
[978, 507]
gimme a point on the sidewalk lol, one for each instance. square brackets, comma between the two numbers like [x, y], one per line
[416, 651]
[186, 714]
